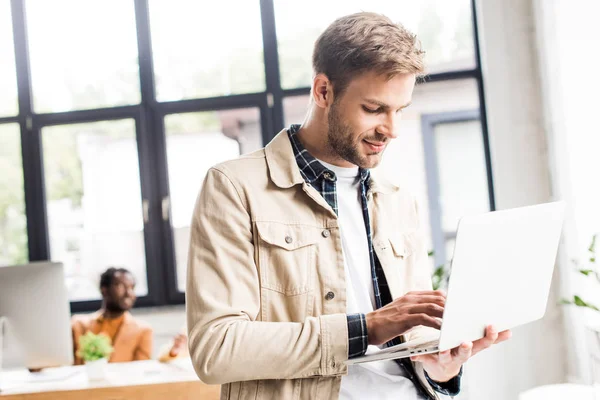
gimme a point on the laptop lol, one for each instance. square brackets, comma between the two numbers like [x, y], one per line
[501, 274]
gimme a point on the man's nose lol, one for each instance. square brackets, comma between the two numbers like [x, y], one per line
[390, 124]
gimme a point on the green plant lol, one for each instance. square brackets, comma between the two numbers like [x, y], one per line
[94, 347]
[440, 276]
[590, 271]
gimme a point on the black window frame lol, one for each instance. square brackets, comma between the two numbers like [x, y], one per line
[150, 132]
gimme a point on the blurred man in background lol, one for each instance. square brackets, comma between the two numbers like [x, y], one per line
[130, 338]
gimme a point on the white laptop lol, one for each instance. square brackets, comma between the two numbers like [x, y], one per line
[501, 274]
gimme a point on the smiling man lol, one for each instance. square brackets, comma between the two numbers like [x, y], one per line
[131, 338]
[302, 255]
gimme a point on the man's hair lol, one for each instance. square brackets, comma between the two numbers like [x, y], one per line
[363, 42]
[108, 276]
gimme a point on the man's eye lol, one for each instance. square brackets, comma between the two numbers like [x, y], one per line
[370, 111]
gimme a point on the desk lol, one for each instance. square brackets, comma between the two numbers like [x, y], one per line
[148, 380]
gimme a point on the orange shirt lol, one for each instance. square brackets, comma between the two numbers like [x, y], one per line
[110, 327]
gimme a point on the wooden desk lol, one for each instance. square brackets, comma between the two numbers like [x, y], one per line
[147, 380]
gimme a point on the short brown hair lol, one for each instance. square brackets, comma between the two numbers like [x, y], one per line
[364, 42]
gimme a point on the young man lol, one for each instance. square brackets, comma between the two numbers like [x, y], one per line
[302, 255]
[131, 339]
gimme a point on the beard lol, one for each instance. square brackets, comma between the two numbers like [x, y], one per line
[115, 306]
[343, 144]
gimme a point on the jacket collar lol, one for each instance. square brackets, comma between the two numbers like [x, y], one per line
[282, 165]
[380, 184]
[97, 317]
[285, 173]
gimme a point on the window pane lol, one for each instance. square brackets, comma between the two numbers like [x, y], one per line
[13, 223]
[444, 28]
[463, 179]
[196, 142]
[294, 109]
[83, 54]
[206, 49]
[94, 202]
[8, 77]
[404, 159]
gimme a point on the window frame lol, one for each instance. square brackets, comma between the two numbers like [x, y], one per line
[150, 131]
[428, 125]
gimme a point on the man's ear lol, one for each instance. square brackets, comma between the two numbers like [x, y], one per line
[104, 291]
[322, 91]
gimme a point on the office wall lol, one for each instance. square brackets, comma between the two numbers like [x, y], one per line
[570, 86]
[520, 143]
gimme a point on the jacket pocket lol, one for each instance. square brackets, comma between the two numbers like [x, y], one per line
[392, 249]
[400, 246]
[395, 254]
[286, 256]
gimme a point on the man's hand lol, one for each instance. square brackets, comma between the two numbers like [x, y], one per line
[443, 366]
[406, 312]
[179, 345]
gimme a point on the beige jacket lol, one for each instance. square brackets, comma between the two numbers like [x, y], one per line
[265, 251]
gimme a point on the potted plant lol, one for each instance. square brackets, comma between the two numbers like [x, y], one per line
[440, 275]
[95, 350]
[590, 271]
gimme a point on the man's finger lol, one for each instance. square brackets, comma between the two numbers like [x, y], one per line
[431, 309]
[503, 336]
[424, 320]
[490, 338]
[424, 299]
[427, 292]
[464, 352]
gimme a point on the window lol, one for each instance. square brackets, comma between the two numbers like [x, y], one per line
[13, 225]
[444, 28]
[460, 157]
[83, 54]
[197, 55]
[196, 142]
[8, 77]
[94, 206]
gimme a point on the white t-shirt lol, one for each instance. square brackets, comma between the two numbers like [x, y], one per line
[380, 379]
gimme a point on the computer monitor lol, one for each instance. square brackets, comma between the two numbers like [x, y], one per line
[35, 309]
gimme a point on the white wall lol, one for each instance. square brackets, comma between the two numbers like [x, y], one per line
[571, 33]
[536, 353]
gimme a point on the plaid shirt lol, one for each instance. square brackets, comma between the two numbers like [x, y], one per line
[323, 180]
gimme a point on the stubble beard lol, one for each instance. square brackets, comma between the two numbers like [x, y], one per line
[341, 145]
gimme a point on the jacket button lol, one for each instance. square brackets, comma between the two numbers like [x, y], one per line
[288, 239]
[329, 296]
[326, 233]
